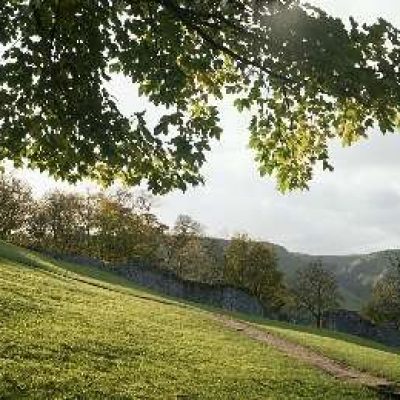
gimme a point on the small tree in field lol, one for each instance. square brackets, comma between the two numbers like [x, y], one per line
[315, 290]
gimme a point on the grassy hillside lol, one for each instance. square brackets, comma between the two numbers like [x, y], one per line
[70, 332]
[362, 354]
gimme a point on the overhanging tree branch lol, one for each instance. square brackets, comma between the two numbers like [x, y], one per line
[182, 16]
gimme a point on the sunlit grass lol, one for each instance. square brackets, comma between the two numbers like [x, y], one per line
[66, 335]
[357, 352]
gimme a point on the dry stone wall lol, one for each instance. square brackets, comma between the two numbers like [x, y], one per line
[353, 323]
[167, 283]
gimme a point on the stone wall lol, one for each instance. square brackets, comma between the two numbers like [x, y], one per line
[167, 283]
[353, 323]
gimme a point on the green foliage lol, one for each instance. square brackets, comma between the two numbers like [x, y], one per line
[253, 265]
[385, 303]
[303, 75]
[67, 336]
[125, 230]
[315, 290]
[111, 226]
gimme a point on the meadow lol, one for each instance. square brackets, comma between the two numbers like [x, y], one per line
[72, 332]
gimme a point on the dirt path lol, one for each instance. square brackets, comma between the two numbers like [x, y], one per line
[310, 357]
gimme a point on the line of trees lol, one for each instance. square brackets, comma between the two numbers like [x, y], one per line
[119, 227]
[114, 227]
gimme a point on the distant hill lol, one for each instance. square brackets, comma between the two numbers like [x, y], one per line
[356, 273]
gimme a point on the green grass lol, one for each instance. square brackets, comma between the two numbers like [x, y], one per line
[359, 353]
[305, 329]
[67, 335]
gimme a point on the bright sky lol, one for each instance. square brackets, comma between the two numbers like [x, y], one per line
[354, 209]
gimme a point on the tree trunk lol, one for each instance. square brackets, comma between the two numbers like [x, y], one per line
[319, 321]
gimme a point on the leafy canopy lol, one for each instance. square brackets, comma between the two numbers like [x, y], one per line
[303, 75]
[254, 266]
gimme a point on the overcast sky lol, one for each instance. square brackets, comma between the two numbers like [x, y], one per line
[355, 209]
